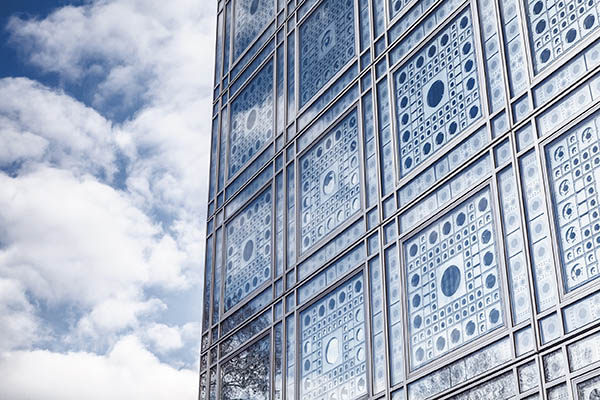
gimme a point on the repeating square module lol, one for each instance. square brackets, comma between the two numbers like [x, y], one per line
[437, 93]
[250, 19]
[330, 183]
[251, 119]
[326, 44]
[333, 347]
[556, 26]
[453, 286]
[248, 257]
[573, 162]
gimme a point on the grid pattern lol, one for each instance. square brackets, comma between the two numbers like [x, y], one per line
[330, 184]
[248, 246]
[251, 119]
[333, 351]
[557, 25]
[437, 93]
[326, 45]
[251, 17]
[574, 171]
[453, 286]
[435, 165]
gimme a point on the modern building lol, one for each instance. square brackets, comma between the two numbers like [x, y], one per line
[403, 201]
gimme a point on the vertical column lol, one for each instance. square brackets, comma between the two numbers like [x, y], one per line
[377, 335]
[385, 137]
[515, 252]
[394, 287]
[217, 272]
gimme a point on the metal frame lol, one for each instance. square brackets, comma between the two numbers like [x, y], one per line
[292, 134]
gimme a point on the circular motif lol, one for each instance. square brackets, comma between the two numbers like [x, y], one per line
[470, 328]
[450, 280]
[332, 351]
[329, 183]
[571, 35]
[588, 22]
[251, 119]
[435, 94]
[440, 343]
[494, 316]
[488, 258]
[253, 7]
[490, 281]
[248, 250]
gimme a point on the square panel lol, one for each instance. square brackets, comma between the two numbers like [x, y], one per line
[333, 348]
[250, 19]
[453, 284]
[437, 93]
[247, 374]
[573, 164]
[248, 258]
[326, 44]
[330, 183]
[251, 119]
[556, 26]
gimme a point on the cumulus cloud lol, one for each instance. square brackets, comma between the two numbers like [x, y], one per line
[103, 199]
[128, 371]
[39, 124]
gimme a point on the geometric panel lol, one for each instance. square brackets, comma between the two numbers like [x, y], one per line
[248, 256]
[251, 119]
[251, 17]
[247, 375]
[556, 26]
[453, 283]
[437, 93]
[333, 352]
[574, 172]
[329, 174]
[326, 45]
[589, 389]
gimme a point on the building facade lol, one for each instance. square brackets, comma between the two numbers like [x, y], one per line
[403, 201]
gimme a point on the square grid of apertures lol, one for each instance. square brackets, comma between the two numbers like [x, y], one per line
[251, 119]
[453, 284]
[330, 183]
[326, 45]
[555, 26]
[250, 19]
[573, 162]
[248, 250]
[437, 93]
[333, 352]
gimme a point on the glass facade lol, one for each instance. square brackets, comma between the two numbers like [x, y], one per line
[403, 201]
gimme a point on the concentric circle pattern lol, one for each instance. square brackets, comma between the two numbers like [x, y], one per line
[333, 348]
[326, 45]
[556, 26]
[248, 250]
[573, 162]
[437, 93]
[330, 183]
[453, 289]
[251, 119]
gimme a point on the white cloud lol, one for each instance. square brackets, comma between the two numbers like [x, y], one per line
[77, 240]
[19, 325]
[128, 371]
[38, 124]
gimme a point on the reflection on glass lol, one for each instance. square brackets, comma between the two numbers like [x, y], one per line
[333, 352]
[246, 375]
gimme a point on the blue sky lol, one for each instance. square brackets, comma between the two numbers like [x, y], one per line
[104, 119]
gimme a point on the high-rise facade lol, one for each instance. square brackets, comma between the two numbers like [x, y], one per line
[403, 201]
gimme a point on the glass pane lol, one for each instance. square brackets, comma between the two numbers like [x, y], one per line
[329, 178]
[333, 347]
[251, 119]
[432, 109]
[453, 281]
[247, 374]
[248, 258]
[251, 17]
[326, 44]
